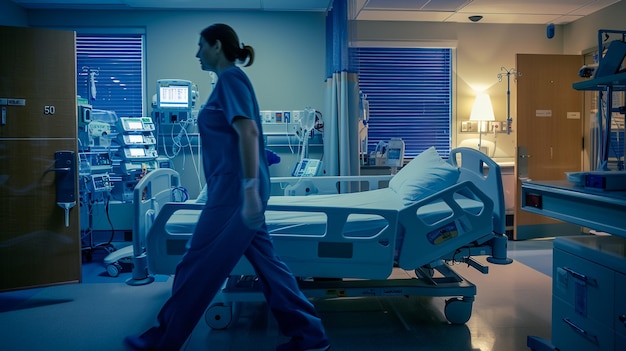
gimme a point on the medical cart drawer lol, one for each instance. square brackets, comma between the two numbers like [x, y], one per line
[586, 286]
[572, 332]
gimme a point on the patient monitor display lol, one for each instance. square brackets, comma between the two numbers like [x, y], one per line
[174, 93]
[395, 152]
[306, 168]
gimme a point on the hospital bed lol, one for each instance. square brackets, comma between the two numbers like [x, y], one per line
[349, 244]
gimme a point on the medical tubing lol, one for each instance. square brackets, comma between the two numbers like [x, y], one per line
[176, 142]
[305, 145]
[193, 160]
[109, 219]
[288, 138]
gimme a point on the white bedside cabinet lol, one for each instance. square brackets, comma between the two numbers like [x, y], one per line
[588, 293]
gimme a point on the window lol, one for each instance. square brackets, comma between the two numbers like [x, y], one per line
[409, 92]
[110, 72]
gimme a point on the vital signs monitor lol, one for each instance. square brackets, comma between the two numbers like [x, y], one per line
[174, 93]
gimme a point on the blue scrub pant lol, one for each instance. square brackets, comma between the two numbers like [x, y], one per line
[219, 241]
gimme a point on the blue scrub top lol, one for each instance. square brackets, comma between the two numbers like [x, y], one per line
[232, 96]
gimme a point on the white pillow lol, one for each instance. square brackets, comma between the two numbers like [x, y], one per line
[425, 175]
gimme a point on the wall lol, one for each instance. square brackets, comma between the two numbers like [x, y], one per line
[288, 72]
[290, 68]
[582, 35]
[12, 15]
[481, 51]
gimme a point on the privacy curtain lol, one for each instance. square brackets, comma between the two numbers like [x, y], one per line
[341, 120]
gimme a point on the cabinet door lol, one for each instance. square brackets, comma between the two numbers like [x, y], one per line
[38, 75]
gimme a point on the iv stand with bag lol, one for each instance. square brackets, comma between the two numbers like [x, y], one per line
[306, 167]
[307, 123]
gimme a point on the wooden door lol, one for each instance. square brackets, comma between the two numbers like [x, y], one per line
[549, 131]
[38, 104]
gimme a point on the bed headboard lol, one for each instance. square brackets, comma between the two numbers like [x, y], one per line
[481, 170]
[151, 192]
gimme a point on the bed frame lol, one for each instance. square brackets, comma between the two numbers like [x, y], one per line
[372, 259]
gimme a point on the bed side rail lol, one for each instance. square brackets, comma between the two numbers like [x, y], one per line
[333, 254]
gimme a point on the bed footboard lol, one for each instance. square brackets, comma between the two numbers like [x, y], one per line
[425, 242]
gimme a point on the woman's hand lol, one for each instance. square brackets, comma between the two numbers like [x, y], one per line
[252, 209]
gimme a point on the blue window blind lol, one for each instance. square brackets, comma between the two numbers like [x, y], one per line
[616, 147]
[409, 92]
[116, 63]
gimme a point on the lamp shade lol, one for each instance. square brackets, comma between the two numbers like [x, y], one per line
[482, 109]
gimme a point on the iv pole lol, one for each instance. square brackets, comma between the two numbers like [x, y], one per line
[509, 72]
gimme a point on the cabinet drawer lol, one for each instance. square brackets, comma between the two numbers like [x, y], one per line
[619, 315]
[571, 332]
[620, 342]
[588, 287]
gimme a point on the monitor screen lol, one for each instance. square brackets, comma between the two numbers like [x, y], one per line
[174, 96]
[135, 139]
[134, 125]
[393, 154]
[137, 152]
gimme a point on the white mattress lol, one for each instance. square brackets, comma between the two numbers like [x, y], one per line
[314, 223]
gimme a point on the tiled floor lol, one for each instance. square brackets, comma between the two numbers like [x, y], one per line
[512, 302]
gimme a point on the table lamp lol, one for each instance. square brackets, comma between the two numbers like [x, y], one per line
[482, 111]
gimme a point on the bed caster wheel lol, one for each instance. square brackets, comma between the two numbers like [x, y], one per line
[458, 311]
[114, 269]
[218, 316]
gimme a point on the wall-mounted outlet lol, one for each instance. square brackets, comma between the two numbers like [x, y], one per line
[296, 116]
[497, 126]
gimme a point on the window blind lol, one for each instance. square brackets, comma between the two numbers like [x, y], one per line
[409, 92]
[116, 62]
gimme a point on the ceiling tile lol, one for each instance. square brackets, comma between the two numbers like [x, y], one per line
[403, 16]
